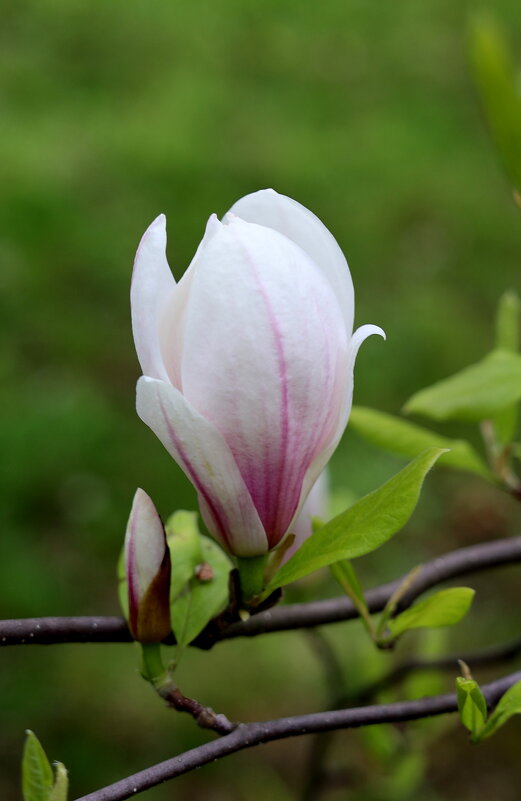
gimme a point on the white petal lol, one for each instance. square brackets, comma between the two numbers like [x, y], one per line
[295, 221]
[145, 545]
[324, 456]
[152, 285]
[264, 360]
[201, 452]
[172, 322]
[315, 505]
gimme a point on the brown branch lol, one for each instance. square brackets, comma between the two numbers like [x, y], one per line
[204, 716]
[51, 630]
[495, 655]
[248, 735]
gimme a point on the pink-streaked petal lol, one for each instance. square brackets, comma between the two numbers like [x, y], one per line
[202, 453]
[264, 361]
[172, 321]
[152, 285]
[315, 505]
[319, 463]
[295, 221]
[145, 549]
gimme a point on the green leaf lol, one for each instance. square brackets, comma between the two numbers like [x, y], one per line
[184, 542]
[444, 608]
[345, 574]
[408, 439]
[474, 394]
[61, 783]
[199, 599]
[37, 778]
[472, 705]
[496, 77]
[363, 527]
[509, 705]
[507, 322]
[507, 338]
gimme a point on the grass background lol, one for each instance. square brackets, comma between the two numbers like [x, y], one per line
[112, 112]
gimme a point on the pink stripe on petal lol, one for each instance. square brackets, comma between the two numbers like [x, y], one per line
[202, 453]
[217, 512]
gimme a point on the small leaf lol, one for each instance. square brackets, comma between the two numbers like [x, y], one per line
[345, 574]
[408, 439]
[184, 541]
[122, 584]
[61, 783]
[495, 73]
[444, 608]
[203, 597]
[472, 705]
[37, 778]
[474, 394]
[509, 705]
[507, 322]
[363, 527]
[507, 338]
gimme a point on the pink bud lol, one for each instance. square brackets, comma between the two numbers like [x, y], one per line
[147, 570]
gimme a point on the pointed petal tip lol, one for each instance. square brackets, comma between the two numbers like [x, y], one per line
[157, 226]
[361, 334]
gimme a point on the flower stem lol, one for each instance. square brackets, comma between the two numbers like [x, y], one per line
[251, 572]
[152, 666]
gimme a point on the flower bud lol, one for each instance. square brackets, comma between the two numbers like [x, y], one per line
[147, 570]
[248, 362]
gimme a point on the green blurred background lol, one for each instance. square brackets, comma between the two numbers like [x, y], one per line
[113, 111]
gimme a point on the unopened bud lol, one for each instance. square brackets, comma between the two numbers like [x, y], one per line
[147, 570]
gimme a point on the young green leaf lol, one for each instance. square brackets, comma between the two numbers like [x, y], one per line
[363, 527]
[408, 439]
[444, 608]
[509, 705]
[507, 338]
[61, 783]
[184, 541]
[507, 322]
[204, 595]
[476, 393]
[37, 777]
[472, 705]
[496, 76]
[345, 574]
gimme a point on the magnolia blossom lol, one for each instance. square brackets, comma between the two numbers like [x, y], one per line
[248, 362]
[147, 571]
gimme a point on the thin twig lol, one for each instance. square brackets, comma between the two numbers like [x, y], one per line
[248, 735]
[490, 656]
[335, 684]
[51, 630]
[204, 716]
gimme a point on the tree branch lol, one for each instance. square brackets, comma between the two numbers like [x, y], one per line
[248, 735]
[490, 656]
[51, 630]
[204, 716]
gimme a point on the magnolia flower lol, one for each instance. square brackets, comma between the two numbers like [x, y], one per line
[248, 362]
[147, 571]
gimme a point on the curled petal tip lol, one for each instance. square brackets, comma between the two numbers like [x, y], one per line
[361, 334]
